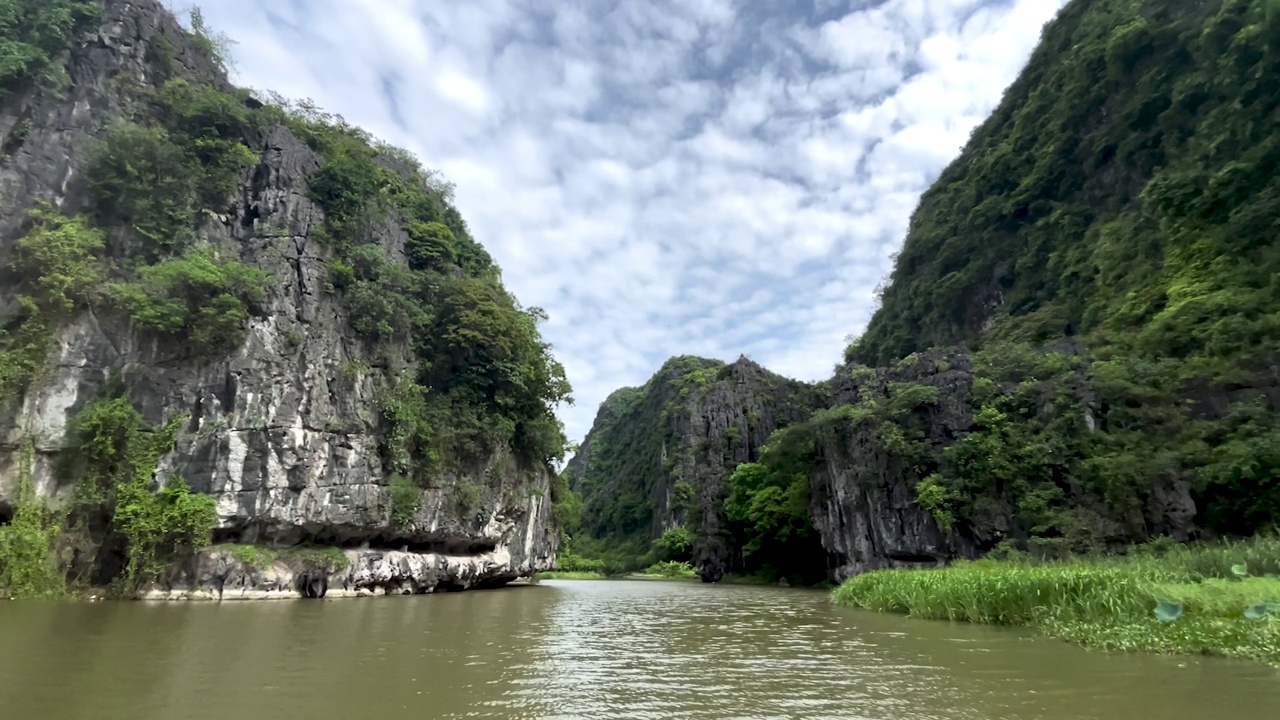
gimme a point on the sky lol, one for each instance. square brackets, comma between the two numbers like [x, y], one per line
[663, 177]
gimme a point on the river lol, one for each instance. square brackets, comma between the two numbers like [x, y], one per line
[598, 650]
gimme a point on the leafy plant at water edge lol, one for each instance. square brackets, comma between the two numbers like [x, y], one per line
[1186, 599]
[118, 454]
[671, 569]
[675, 544]
[28, 565]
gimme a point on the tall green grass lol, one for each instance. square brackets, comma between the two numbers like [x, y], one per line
[1105, 602]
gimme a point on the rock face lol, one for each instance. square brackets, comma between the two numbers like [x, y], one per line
[875, 434]
[218, 574]
[283, 432]
[659, 457]
[863, 500]
[726, 424]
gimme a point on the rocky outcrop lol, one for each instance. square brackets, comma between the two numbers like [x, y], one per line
[725, 424]
[283, 432]
[667, 449]
[863, 500]
[864, 489]
[221, 573]
[874, 435]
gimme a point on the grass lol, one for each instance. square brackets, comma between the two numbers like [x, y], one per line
[569, 575]
[1104, 602]
[312, 557]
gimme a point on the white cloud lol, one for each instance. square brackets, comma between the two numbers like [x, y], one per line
[663, 177]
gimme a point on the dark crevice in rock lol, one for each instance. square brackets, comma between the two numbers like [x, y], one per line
[374, 540]
[312, 586]
[389, 542]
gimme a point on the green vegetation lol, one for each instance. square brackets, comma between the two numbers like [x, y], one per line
[675, 545]
[28, 562]
[1210, 599]
[116, 527]
[629, 456]
[60, 258]
[117, 452]
[643, 454]
[198, 297]
[479, 375]
[406, 497]
[33, 34]
[669, 570]
[569, 575]
[1123, 193]
[460, 368]
[259, 557]
[768, 509]
[321, 559]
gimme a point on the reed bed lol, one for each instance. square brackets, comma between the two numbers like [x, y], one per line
[1210, 597]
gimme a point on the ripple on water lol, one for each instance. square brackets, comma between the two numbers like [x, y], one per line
[592, 650]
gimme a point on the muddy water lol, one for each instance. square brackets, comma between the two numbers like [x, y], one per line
[599, 650]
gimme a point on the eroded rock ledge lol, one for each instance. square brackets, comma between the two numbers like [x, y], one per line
[226, 572]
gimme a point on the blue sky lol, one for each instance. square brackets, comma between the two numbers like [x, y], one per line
[706, 177]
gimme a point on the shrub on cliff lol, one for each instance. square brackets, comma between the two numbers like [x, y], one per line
[33, 33]
[115, 460]
[60, 259]
[199, 297]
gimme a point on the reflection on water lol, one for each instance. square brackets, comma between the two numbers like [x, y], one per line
[595, 650]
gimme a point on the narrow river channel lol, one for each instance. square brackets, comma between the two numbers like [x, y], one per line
[598, 650]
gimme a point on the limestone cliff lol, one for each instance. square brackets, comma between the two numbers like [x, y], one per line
[895, 435]
[659, 457]
[289, 430]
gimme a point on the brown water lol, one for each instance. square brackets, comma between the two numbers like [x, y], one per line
[598, 650]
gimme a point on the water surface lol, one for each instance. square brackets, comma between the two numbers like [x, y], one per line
[598, 650]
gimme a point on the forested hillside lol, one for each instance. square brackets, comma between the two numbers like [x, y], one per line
[226, 316]
[1125, 194]
[1079, 345]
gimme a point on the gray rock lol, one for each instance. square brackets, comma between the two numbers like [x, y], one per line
[281, 432]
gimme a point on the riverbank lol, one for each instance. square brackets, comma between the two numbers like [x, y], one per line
[1209, 599]
[657, 571]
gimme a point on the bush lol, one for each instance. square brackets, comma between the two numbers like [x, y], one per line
[140, 178]
[28, 566]
[60, 259]
[160, 527]
[198, 297]
[671, 569]
[405, 499]
[33, 33]
[675, 544]
[25, 342]
[119, 453]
